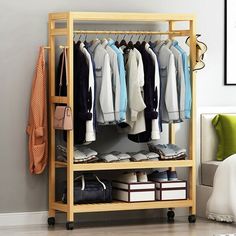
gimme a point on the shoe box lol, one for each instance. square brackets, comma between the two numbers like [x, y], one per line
[133, 192]
[171, 190]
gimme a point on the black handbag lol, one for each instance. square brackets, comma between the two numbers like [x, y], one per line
[90, 189]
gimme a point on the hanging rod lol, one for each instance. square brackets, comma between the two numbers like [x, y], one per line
[183, 32]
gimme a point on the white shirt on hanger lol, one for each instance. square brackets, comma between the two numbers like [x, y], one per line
[135, 82]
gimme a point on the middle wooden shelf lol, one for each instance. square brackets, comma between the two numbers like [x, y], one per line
[126, 165]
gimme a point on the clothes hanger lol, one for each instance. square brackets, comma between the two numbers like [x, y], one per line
[85, 39]
[123, 42]
[144, 42]
[130, 43]
[150, 40]
[79, 41]
[117, 42]
[138, 42]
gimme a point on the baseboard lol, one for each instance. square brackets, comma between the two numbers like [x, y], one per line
[23, 218]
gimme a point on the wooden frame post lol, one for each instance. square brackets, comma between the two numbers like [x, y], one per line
[70, 134]
[192, 144]
[52, 170]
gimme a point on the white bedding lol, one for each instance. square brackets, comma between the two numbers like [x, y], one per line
[221, 205]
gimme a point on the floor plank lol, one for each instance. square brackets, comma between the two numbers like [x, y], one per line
[179, 228]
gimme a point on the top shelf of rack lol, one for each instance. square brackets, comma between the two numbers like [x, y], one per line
[120, 16]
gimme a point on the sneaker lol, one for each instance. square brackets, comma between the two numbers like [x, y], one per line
[158, 176]
[128, 177]
[142, 176]
[172, 175]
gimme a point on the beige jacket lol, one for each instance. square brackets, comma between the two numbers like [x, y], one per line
[37, 123]
[135, 83]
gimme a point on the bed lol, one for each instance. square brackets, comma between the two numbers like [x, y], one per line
[207, 148]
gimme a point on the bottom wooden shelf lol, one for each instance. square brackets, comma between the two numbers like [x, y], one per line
[122, 206]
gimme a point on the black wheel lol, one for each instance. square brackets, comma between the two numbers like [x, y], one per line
[69, 225]
[51, 221]
[170, 216]
[191, 218]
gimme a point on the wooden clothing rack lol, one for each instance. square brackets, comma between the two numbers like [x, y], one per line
[69, 18]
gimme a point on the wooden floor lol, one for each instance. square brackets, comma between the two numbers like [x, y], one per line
[179, 228]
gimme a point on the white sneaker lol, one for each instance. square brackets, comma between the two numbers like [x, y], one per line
[128, 178]
[142, 176]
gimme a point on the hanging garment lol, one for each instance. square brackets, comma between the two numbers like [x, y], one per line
[37, 123]
[115, 77]
[180, 80]
[135, 82]
[155, 122]
[104, 96]
[168, 96]
[159, 93]
[90, 132]
[149, 95]
[87, 46]
[188, 93]
[123, 90]
[82, 95]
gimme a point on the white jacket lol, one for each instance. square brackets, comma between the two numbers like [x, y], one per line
[104, 96]
[90, 134]
[135, 82]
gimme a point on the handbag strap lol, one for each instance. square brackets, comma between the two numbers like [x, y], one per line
[64, 61]
[83, 181]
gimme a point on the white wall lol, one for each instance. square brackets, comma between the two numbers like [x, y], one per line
[23, 28]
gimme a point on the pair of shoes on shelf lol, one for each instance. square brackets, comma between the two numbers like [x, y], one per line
[163, 176]
[133, 177]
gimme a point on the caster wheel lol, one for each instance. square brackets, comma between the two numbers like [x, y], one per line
[191, 218]
[69, 225]
[170, 216]
[51, 221]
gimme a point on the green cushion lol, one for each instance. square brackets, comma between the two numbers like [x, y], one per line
[225, 126]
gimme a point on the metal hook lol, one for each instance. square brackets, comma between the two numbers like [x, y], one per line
[131, 37]
[139, 37]
[150, 38]
[85, 38]
[145, 36]
[117, 37]
[124, 36]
